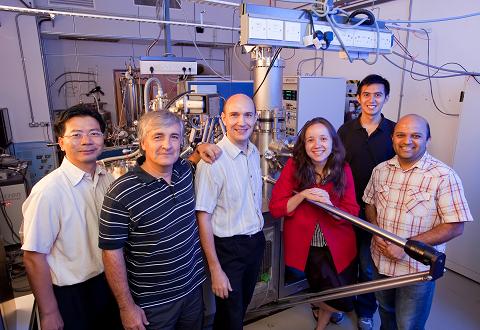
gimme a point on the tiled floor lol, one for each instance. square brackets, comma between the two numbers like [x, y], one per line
[456, 306]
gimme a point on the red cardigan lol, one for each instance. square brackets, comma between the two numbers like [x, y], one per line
[299, 225]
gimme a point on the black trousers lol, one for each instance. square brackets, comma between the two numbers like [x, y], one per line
[88, 305]
[240, 257]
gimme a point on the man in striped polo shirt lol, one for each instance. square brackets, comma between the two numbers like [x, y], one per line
[229, 212]
[149, 235]
[414, 196]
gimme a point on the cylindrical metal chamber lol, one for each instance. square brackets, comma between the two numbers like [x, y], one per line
[267, 82]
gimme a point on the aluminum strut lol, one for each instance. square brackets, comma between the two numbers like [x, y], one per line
[342, 292]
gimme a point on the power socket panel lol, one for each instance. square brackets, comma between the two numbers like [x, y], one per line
[168, 65]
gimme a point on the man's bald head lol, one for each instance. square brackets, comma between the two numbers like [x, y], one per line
[238, 100]
[417, 119]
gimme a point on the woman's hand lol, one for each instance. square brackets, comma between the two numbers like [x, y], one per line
[317, 195]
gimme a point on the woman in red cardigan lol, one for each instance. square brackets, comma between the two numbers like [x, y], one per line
[321, 245]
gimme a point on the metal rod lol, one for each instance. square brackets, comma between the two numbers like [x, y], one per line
[25, 77]
[208, 122]
[355, 220]
[346, 291]
[402, 81]
[32, 11]
[166, 28]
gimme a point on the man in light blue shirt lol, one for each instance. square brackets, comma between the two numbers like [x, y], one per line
[229, 215]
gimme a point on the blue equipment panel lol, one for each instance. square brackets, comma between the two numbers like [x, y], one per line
[226, 88]
[41, 159]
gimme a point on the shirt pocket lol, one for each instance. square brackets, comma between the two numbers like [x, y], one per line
[382, 196]
[420, 203]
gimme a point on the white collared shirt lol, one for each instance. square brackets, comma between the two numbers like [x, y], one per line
[61, 220]
[231, 190]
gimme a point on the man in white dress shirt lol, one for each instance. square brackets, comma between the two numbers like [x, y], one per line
[229, 214]
[61, 254]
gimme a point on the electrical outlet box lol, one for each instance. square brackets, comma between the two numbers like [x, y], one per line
[263, 25]
[168, 65]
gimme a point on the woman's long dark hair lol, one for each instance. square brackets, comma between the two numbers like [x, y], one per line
[306, 169]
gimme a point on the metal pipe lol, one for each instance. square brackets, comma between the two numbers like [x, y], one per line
[355, 220]
[114, 158]
[29, 97]
[166, 27]
[211, 129]
[110, 17]
[185, 152]
[68, 72]
[346, 291]
[402, 82]
[208, 122]
[146, 92]
[222, 126]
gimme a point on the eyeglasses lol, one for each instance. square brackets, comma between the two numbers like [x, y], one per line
[77, 136]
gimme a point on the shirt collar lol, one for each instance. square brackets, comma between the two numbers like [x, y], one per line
[381, 126]
[422, 164]
[146, 177]
[232, 150]
[74, 174]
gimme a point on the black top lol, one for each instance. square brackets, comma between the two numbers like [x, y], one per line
[365, 152]
[154, 222]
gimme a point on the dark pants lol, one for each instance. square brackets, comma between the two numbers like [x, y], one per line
[365, 304]
[322, 275]
[88, 305]
[240, 257]
[183, 314]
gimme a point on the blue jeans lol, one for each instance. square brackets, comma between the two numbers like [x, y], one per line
[365, 304]
[405, 308]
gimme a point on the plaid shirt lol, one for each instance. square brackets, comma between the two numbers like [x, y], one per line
[413, 201]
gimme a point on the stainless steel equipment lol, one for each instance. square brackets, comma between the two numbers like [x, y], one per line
[267, 75]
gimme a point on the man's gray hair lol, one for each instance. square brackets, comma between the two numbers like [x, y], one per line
[157, 119]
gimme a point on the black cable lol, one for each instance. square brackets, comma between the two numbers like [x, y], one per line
[421, 74]
[411, 72]
[430, 78]
[25, 4]
[463, 68]
[268, 70]
[291, 56]
[68, 81]
[405, 50]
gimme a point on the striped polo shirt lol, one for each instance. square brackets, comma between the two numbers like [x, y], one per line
[154, 222]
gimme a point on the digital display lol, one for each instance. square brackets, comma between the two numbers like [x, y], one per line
[290, 95]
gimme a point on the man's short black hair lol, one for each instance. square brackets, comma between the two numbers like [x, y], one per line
[374, 79]
[79, 110]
